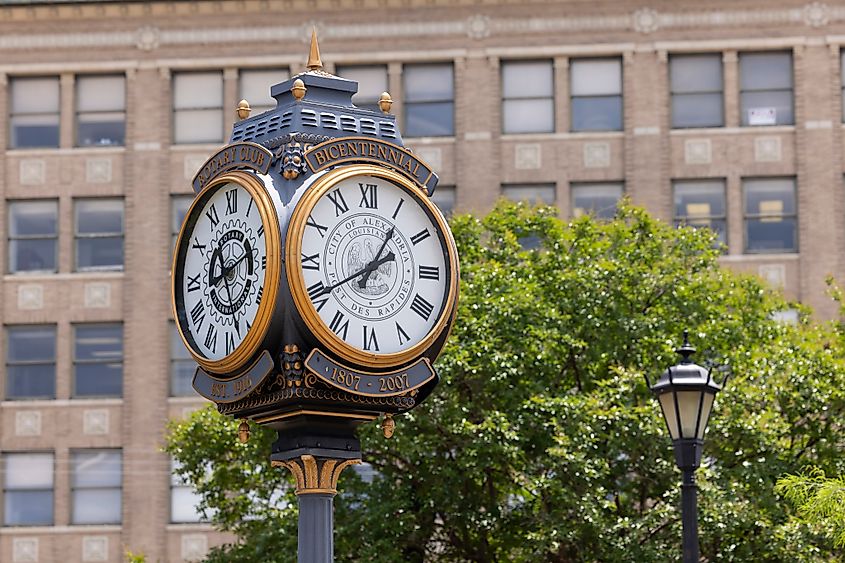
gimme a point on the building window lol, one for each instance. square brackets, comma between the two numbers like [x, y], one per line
[372, 81]
[532, 193]
[179, 205]
[765, 82]
[96, 477]
[429, 100]
[198, 107]
[99, 234]
[528, 97]
[28, 489]
[100, 111]
[184, 500]
[770, 215]
[31, 362]
[701, 203]
[596, 199]
[34, 120]
[98, 360]
[696, 87]
[596, 89]
[33, 235]
[182, 366]
[255, 87]
[444, 198]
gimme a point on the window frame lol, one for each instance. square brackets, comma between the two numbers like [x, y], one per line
[743, 110]
[10, 205]
[746, 216]
[576, 186]
[178, 483]
[550, 97]
[9, 364]
[679, 220]
[256, 109]
[174, 339]
[507, 186]
[175, 110]
[572, 97]
[13, 114]
[76, 361]
[720, 91]
[365, 102]
[52, 490]
[79, 113]
[410, 103]
[77, 236]
[74, 487]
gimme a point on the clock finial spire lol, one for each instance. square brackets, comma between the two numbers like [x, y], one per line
[314, 62]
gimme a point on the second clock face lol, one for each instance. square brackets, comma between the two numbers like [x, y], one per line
[376, 265]
[224, 271]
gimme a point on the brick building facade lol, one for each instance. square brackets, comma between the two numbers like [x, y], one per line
[714, 113]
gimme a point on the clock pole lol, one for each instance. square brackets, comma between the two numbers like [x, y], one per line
[316, 451]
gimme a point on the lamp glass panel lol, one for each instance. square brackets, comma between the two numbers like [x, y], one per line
[688, 403]
[667, 405]
[704, 416]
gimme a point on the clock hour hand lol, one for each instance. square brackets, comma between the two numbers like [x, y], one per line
[224, 270]
[370, 268]
[234, 317]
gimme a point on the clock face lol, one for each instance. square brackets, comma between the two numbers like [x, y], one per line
[221, 274]
[376, 266]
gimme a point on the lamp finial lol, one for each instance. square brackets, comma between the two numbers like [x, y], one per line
[314, 62]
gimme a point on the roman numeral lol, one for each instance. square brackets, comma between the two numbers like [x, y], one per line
[370, 341]
[315, 292]
[310, 222]
[396, 212]
[340, 206]
[310, 262]
[197, 245]
[230, 343]
[401, 334]
[198, 314]
[212, 216]
[211, 338]
[369, 196]
[194, 282]
[249, 207]
[259, 295]
[429, 272]
[421, 307]
[420, 236]
[261, 231]
[337, 327]
[231, 201]
[263, 262]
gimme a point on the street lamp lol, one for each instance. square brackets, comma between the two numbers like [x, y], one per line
[685, 393]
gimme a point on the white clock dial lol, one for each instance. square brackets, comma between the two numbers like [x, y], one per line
[375, 264]
[223, 271]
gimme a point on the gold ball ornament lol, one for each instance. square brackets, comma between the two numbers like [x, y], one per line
[385, 102]
[243, 109]
[243, 432]
[298, 89]
[388, 426]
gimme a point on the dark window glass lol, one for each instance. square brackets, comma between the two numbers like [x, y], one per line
[98, 360]
[33, 236]
[766, 88]
[100, 111]
[444, 198]
[600, 200]
[99, 234]
[429, 100]
[28, 489]
[770, 215]
[182, 366]
[697, 90]
[34, 119]
[596, 94]
[701, 203]
[31, 362]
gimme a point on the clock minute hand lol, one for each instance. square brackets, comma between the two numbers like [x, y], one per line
[371, 266]
[369, 269]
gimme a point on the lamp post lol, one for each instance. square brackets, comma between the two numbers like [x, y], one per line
[685, 393]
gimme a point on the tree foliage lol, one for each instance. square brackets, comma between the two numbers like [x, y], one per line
[542, 442]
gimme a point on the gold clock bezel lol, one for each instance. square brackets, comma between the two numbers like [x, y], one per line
[296, 281]
[272, 276]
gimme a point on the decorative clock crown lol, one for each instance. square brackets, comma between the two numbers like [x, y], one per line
[315, 106]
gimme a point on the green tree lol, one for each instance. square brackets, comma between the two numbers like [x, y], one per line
[819, 499]
[542, 442]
